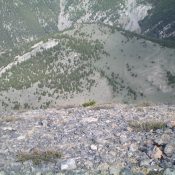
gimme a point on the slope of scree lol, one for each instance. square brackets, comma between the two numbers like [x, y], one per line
[104, 140]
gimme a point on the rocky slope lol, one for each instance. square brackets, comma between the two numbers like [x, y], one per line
[106, 139]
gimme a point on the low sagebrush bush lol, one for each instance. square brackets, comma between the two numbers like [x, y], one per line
[89, 103]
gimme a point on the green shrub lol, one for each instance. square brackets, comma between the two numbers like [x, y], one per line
[155, 173]
[89, 103]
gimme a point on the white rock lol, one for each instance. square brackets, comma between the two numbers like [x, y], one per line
[94, 147]
[8, 128]
[169, 172]
[21, 138]
[123, 139]
[68, 165]
[2, 173]
[39, 173]
[90, 120]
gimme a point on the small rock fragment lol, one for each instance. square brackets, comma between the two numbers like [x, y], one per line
[145, 163]
[157, 153]
[103, 166]
[8, 129]
[90, 120]
[94, 147]
[114, 170]
[2, 173]
[133, 147]
[171, 124]
[21, 138]
[44, 123]
[38, 173]
[89, 164]
[68, 165]
[49, 173]
[123, 139]
[164, 139]
[169, 171]
[126, 171]
[169, 149]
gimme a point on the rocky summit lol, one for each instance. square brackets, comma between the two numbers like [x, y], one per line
[111, 139]
[110, 64]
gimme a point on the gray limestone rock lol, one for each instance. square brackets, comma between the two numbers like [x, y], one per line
[169, 149]
[163, 139]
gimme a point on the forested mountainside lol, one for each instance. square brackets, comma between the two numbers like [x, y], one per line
[24, 21]
[88, 62]
[160, 22]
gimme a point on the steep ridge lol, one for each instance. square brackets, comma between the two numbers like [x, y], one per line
[26, 21]
[70, 68]
[124, 13]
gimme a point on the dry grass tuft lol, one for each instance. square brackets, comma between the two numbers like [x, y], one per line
[9, 119]
[146, 126]
[144, 104]
[38, 156]
[99, 107]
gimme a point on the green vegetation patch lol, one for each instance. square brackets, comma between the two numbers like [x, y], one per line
[89, 103]
[171, 78]
[46, 67]
[156, 173]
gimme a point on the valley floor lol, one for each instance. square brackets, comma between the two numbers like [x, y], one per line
[107, 139]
